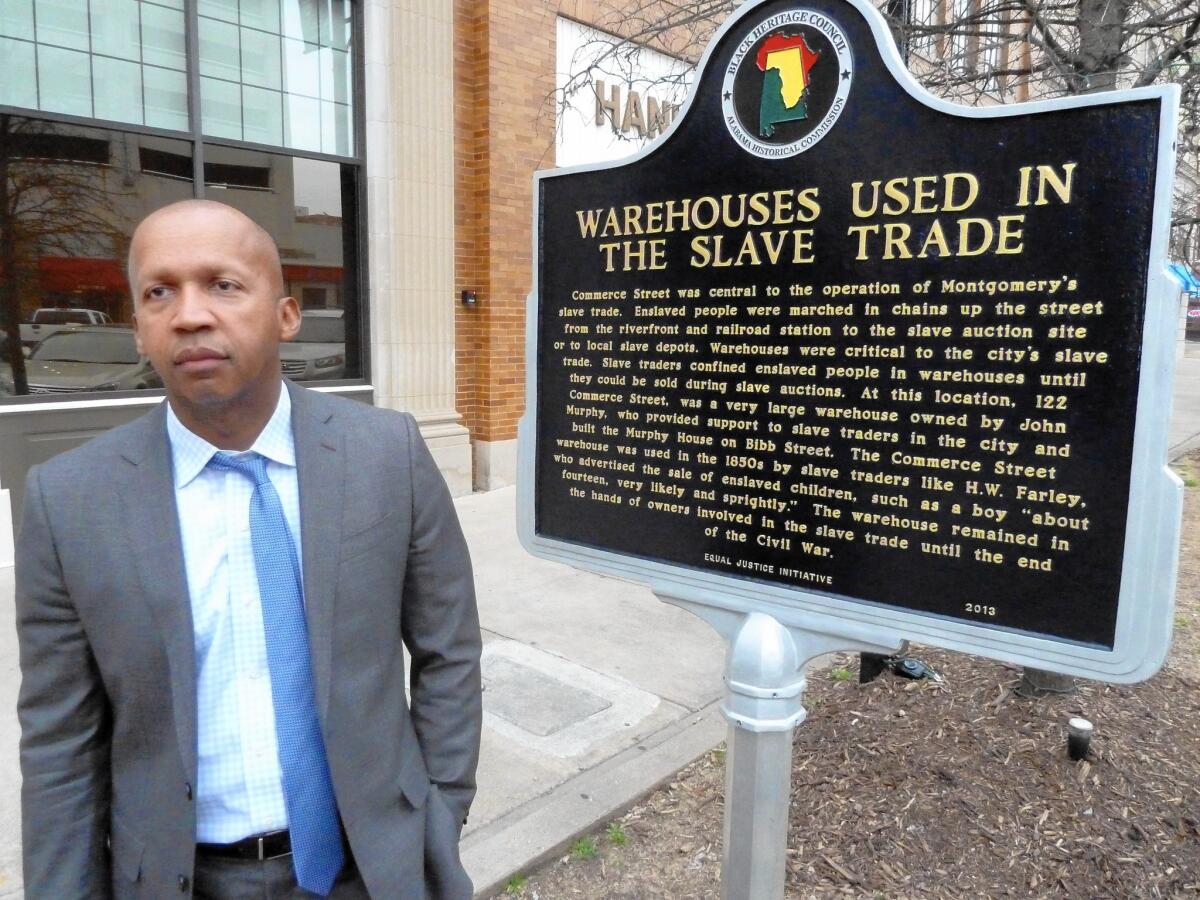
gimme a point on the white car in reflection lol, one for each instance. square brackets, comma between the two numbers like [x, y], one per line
[319, 349]
[86, 359]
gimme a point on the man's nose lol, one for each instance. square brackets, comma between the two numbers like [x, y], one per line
[192, 309]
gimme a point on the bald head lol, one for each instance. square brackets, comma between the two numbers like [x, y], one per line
[183, 218]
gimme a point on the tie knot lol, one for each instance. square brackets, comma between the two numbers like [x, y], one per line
[251, 464]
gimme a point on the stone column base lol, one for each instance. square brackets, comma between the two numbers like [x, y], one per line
[450, 443]
[6, 531]
[495, 464]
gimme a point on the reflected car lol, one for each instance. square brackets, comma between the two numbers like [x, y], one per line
[319, 349]
[86, 359]
[45, 322]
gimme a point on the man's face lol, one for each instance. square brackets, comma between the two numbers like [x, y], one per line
[209, 314]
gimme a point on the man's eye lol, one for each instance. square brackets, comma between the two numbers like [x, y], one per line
[156, 293]
[224, 285]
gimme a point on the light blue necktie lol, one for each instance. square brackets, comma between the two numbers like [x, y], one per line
[307, 787]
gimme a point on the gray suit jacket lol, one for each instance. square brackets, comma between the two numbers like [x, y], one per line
[108, 697]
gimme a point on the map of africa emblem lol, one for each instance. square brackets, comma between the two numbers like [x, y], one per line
[787, 83]
[785, 62]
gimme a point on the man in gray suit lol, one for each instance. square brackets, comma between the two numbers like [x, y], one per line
[212, 606]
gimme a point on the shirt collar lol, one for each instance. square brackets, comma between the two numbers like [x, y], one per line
[190, 453]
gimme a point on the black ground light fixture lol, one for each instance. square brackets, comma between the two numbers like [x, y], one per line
[1079, 737]
[871, 666]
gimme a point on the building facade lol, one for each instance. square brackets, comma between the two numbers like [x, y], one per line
[517, 114]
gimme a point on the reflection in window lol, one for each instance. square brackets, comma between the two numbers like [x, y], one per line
[272, 73]
[110, 348]
[85, 359]
[310, 211]
[161, 162]
[121, 60]
[227, 176]
[314, 330]
[278, 72]
[32, 144]
[74, 195]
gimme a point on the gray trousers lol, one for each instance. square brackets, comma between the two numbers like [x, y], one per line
[272, 879]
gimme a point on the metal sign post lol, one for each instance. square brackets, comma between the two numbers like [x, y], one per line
[764, 702]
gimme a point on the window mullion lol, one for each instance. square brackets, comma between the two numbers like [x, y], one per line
[192, 37]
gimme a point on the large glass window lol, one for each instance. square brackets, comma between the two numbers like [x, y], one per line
[122, 60]
[269, 108]
[308, 205]
[69, 199]
[271, 71]
[278, 72]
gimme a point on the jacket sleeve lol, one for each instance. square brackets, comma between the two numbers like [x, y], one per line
[440, 627]
[65, 725]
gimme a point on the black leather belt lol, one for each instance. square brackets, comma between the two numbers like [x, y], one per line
[259, 846]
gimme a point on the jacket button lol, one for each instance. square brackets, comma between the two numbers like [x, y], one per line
[184, 883]
[188, 790]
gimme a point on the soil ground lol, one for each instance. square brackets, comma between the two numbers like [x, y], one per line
[912, 789]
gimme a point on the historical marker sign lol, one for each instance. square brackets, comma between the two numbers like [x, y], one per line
[841, 351]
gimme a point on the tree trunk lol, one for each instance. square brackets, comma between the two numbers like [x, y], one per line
[1036, 683]
[10, 301]
[1101, 36]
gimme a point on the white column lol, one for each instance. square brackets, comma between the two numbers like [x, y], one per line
[409, 57]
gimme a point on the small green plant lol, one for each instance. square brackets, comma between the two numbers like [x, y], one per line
[616, 834]
[515, 885]
[1188, 475]
[718, 755]
[840, 674]
[584, 848]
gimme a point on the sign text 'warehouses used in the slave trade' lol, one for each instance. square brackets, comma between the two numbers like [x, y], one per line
[834, 337]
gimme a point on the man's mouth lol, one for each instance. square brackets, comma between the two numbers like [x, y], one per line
[198, 359]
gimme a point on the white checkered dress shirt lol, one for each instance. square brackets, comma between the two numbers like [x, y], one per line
[238, 790]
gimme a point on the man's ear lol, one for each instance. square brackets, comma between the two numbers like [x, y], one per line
[289, 318]
[137, 336]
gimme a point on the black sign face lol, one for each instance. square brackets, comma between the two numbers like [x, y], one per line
[830, 337]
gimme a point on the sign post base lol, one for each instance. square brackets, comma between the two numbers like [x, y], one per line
[758, 775]
[764, 702]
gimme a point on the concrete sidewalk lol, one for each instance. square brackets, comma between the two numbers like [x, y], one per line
[595, 691]
[1185, 414]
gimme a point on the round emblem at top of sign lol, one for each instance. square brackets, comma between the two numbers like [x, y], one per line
[787, 83]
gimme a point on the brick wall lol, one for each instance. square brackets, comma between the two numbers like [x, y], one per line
[504, 132]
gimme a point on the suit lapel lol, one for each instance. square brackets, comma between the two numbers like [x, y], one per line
[147, 491]
[319, 467]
